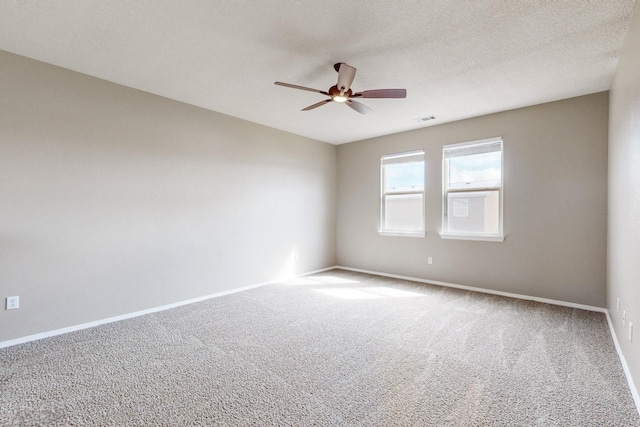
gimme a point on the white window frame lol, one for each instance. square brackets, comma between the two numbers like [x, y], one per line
[383, 193]
[491, 237]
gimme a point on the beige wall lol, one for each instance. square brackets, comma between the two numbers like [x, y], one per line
[113, 200]
[624, 198]
[555, 169]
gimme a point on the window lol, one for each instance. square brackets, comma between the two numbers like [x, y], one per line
[472, 190]
[402, 194]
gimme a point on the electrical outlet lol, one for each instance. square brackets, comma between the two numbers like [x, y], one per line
[630, 332]
[13, 303]
[430, 260]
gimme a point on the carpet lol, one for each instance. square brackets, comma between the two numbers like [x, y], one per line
[333, 349]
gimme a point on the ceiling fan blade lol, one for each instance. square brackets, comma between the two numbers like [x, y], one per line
[382, 93]
[316, 105]
[360, 108]
[301, 87]
[345, 76]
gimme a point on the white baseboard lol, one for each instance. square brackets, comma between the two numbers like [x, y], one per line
[623, 361]
[87, 325]
[481, 290]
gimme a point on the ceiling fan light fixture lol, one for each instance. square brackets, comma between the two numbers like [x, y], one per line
[343, 94]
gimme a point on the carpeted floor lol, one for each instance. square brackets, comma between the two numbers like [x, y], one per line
[333, 349]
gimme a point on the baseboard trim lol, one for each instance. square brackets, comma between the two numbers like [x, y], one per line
[61, 331]
[481, 290]
[623, 361]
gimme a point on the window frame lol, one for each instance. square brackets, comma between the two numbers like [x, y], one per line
[383, 193]
[490, 237]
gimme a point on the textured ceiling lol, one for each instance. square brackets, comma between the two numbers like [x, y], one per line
[457, 59]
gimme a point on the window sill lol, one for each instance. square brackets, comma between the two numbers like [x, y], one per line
[485, 238]
[402, 233]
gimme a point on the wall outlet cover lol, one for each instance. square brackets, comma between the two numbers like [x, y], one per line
[13, 303]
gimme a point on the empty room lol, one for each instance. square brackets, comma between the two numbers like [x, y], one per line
[329, 213]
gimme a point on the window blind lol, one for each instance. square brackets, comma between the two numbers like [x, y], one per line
[394, 159]
[469, 150]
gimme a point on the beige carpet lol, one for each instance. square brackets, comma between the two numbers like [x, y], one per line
[334, 349]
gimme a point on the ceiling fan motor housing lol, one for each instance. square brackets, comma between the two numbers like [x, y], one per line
[334, 91]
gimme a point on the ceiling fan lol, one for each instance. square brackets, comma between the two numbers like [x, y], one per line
[342, 92]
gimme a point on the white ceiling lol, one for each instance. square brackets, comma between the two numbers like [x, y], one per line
[457, 59]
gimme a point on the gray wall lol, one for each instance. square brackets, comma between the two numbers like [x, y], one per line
[113, 200]
[555, 186]
[624, 198]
